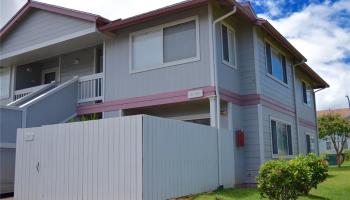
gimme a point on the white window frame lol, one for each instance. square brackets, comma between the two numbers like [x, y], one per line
[9, 88]
[229, 27]
[47, 71]
[308, 92]
[277, 50]
[291, 129]
[161, 28]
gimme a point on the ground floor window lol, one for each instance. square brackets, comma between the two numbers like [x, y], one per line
[310, 143]
[281, 138]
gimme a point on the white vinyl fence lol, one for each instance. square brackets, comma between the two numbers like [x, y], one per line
[138, 157]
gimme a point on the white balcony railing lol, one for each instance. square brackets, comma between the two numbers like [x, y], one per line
[90, 88]
[24, 92]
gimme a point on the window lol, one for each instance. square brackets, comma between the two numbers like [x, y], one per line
[307, 93]
[328, 145]
[4, 82]
[310, 143]
[228, 46]
[281, 138]
[165, 45]
[276, 64]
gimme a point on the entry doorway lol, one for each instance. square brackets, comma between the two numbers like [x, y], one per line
[49, 75]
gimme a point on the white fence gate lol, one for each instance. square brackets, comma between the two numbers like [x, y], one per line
[137, 157]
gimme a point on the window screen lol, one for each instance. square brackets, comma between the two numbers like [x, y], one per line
[180, 41]
[281, 138]
[147, 49]
[276, 63]
[228, 46]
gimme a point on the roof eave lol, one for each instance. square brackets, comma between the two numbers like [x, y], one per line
[50, 8]
[122, 23]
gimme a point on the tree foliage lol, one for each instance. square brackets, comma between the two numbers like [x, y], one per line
[335, 128]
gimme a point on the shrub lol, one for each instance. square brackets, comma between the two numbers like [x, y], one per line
[302, 174]
[279, 179]
[276, 181]
[316, 171]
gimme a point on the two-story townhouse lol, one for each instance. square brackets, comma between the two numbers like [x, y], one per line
[202, 61]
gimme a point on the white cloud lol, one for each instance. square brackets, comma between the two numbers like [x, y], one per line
[316, 32]
[272, 6]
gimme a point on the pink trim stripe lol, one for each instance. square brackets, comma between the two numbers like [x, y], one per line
[307, 124]
[254, 99]
[181, 96]
[144, 101]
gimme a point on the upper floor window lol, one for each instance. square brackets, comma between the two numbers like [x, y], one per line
[4, 82]
[276, 63]
[328, 145]
[281, 138]
[228, 41]
[165, 45]
[307, 93]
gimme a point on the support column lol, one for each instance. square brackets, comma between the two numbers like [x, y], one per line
[212, 101]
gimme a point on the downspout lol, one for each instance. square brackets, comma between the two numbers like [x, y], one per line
[295, 103]
[217, 88]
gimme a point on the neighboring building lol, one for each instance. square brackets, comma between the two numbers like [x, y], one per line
[181, 62]
[326, 145]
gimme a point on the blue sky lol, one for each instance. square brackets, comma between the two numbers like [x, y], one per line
[319, 29]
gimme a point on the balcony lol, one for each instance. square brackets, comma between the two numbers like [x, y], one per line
[90, 89]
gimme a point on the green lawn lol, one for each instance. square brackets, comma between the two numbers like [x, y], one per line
[336, 187]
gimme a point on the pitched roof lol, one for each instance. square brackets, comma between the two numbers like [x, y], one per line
[343, 112]
[31, 5]
[318, 81]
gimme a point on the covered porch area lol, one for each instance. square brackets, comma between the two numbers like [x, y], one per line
[40, 75]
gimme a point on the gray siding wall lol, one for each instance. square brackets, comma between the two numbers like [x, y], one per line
[10, 120]
[240, 80]
[85, 66]
[122, 84]
[267, 115]
[303, 131]
[306, 112]
[270, 87]
[54, 108]
[250, 126]
[40, 27]
[236, 123]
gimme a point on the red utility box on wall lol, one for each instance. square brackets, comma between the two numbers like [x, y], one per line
[240, 138]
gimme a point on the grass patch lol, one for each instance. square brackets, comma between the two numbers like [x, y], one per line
[336, 187]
